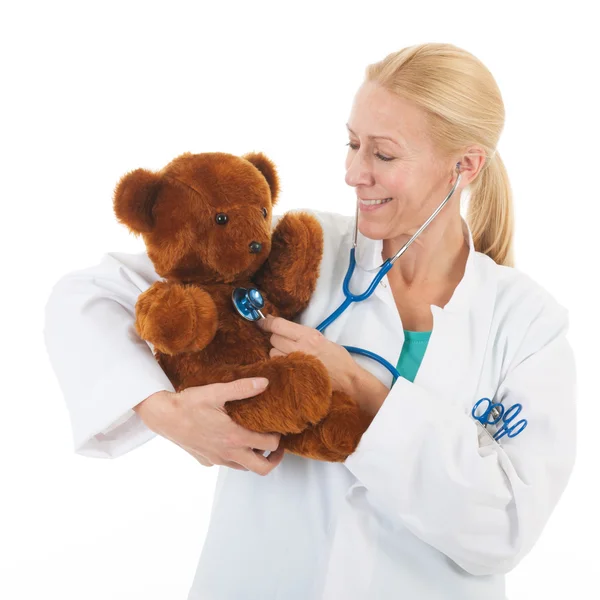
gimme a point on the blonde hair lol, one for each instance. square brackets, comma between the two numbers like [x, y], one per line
[464, 107]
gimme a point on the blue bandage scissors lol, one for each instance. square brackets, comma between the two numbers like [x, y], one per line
[496, 412]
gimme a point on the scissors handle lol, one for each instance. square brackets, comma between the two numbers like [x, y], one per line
[511, 432]
[512, 413]
[493, 410]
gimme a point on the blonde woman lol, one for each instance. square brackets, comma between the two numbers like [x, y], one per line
[433, 504]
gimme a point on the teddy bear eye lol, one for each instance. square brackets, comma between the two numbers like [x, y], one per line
[221, 219]
[264, 212]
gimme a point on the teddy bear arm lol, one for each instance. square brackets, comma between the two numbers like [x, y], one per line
[290, 274]
[175, 318]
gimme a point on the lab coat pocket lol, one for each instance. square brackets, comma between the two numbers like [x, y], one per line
[484, 436]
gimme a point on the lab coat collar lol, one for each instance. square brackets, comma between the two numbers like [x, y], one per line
[368, 255]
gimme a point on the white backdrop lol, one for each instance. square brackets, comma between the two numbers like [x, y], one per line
[90, 91]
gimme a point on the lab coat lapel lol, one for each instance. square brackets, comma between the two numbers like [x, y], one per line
[452, 363]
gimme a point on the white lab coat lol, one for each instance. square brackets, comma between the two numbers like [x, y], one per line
[429, 506]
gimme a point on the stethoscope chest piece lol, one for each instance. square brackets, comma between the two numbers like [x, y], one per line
[248, 303]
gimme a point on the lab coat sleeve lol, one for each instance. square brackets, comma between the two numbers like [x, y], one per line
[103, 368]
[429, 465]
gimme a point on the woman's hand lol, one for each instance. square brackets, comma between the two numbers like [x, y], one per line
[346, 375]
[292, 337]
[195, 420]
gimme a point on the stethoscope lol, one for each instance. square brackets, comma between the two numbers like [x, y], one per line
[249, 302]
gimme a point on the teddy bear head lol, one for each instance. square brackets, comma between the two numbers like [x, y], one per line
[205, 218]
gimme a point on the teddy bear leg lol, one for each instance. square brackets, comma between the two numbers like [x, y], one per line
[298, 394]
[335, 437]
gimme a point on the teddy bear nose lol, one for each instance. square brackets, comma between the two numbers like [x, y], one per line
[255, 247]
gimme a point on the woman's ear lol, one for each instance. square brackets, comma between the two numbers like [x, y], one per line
[134, 199]
[269, 171]
[471, 163]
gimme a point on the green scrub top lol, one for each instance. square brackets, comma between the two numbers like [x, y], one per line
[413, 350]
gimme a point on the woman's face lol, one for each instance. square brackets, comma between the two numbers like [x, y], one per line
[404, 168]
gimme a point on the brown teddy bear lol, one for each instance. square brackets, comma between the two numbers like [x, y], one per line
[206, 222]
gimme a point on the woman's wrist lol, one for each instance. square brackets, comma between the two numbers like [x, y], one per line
[367, 390]
[154, 408]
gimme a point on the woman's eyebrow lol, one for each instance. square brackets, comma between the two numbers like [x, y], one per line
[375, 137]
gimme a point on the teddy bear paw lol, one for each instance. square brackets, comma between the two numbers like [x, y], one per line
[176, 318]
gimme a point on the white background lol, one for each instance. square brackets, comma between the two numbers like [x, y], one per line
[91, 91]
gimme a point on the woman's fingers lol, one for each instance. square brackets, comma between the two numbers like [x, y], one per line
[254, 461]
[245, 438]
[235, 466]
[283, 344]
[207, 463]
[282, 327]
[240, 389]
[277, 456]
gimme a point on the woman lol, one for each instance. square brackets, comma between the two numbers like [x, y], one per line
[430, 505]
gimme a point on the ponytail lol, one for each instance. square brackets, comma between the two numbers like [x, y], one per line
[490, 213]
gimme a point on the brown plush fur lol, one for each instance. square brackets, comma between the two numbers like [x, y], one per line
[197, 335]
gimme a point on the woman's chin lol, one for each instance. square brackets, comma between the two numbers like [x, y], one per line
[373, 231]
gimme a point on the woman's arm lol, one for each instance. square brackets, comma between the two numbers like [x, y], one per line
[367, 390]
[103, 368]
[484, 503]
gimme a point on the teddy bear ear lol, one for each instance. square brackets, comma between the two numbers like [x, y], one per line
[134, 198]
[268, 169]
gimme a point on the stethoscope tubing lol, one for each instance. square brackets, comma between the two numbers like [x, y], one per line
[349, 296]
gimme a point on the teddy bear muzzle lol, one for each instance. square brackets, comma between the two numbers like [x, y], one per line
[255, 247]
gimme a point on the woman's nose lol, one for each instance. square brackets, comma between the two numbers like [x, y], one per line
[357, 172]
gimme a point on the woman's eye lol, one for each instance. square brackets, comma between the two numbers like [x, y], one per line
[264, 212]
[221, 219]
[379, 156]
